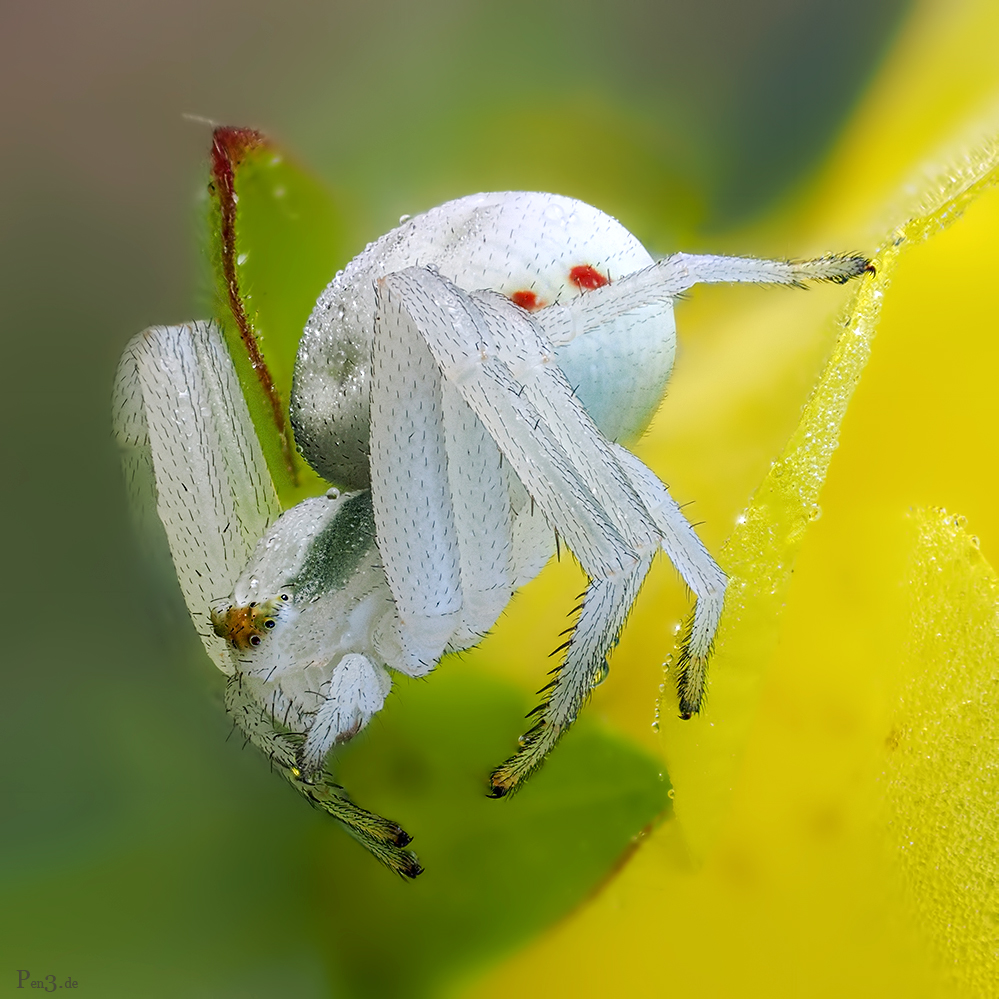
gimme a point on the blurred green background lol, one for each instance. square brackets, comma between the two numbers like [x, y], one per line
[142, 854]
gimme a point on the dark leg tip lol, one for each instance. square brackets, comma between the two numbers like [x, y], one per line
[498, 790]
[686, 715]
[411, 869]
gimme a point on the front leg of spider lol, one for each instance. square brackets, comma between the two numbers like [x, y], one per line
[444, 357]
[383, 838]
[309, 622]
[307, 590]
[662, 282]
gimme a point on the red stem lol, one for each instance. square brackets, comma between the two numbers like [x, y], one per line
[229, 146]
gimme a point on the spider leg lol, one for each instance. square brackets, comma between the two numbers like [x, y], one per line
[443, 526]
[699, 571]
[356, 692]
[605, 606]
[382, 837]
[676, 274]
[189, 445]
[483, 518]
[493, 355]
[566, 466]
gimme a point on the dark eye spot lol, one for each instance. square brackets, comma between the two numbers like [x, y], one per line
[269, 623]
[254, 639]
[254, 603]
[284, 596]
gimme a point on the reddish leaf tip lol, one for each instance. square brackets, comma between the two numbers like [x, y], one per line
[230, 144]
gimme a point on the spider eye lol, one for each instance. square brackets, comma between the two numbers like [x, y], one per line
[284, 596]
[255, 640]
[269, 623]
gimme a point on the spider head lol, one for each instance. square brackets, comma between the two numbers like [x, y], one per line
[248, 626]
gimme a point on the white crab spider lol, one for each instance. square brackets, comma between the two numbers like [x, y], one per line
[467, 427]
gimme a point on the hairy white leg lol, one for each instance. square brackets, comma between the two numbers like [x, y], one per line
[529, 358]
[483, 518]
[603, 611]
[356, 692]
[179, 410]
[459, 336]
[445, 527]
[678, 273]
[533, 542]
[699, 571]
[491, 352]
[383, 838]
[257, 724]
[414, 518]
[180, 415]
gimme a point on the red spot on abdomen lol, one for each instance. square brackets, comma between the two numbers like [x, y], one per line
[526, 300]
[586, 278]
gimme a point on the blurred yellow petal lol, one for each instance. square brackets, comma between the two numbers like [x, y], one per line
[943, 771]
[836, 814]
[704, 758]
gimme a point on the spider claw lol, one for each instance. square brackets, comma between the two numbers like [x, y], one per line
[411, 867]
[402, 838]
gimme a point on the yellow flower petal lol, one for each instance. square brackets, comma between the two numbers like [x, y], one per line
[942, 784]
[836, 806]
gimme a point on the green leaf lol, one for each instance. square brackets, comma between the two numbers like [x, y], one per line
[497, 872]
[276, 238]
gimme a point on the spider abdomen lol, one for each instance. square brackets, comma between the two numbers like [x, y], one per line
[537, 249]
